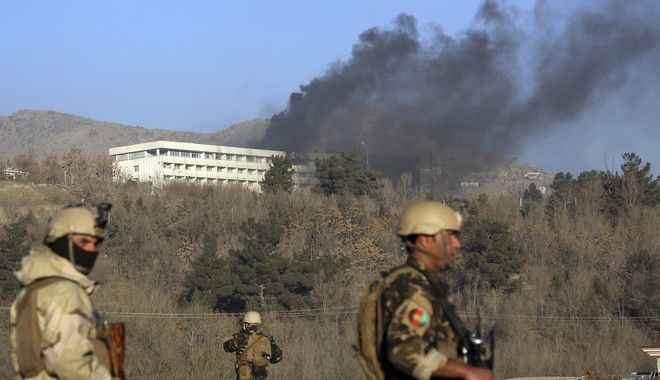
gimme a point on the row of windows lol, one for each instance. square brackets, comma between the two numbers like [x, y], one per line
[188, 154]
[131, 156]
[210, 180]
[215, 156]
[219, 169]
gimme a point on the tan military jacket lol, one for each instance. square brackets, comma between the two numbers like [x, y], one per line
[257, 345]
[65, 317]
[418, 337]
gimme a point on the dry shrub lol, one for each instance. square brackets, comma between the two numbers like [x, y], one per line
[574, 265]
[569, 348]
[5, 347]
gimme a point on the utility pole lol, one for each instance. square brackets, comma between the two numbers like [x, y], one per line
[366, 149]
[261, 294]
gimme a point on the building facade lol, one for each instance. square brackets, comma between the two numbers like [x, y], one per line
[161, 162]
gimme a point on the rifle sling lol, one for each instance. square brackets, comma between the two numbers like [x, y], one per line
[252, 344]
[455, 321]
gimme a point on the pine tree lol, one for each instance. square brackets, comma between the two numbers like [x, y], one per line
[638, 186]
[344, 175]
[279, 176]
[491, 253]
[210, 282]
[562, 197]
[264, 277]
[531, 196]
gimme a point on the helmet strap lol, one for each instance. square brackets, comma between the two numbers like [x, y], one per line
[70, 244]
[445, 246]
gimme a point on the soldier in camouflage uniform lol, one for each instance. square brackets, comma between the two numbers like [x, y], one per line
[419, 341]
[54, 326]
[252, 350]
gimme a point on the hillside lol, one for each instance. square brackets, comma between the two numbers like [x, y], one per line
[572, 286]
[50, 132]
[464, 168]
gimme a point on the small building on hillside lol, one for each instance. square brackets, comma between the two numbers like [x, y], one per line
[12, 173]
[161, 162]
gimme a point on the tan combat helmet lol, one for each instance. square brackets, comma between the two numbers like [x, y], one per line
[428, 218]
[78, 220]
[252, 318]
[72, 220]
[251, 322]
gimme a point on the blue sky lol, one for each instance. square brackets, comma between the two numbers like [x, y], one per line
[204, 65]
[196, 66]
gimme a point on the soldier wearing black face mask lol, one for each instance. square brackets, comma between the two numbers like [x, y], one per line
[54, 331]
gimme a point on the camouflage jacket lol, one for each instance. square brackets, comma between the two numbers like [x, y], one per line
[418, 337]
[66, 318]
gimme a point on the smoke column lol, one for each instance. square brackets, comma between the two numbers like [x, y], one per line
[485, 90]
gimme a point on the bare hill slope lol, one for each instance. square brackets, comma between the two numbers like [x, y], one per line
[46, 132]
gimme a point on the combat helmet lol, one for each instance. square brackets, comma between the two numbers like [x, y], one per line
[252, 317]
[428, 218]
[78, 220]
[251, 322]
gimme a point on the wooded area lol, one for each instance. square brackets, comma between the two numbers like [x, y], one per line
[572, 278]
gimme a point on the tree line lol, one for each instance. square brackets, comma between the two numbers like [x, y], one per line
[588, 248]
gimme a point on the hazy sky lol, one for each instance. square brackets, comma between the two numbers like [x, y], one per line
[203, 65]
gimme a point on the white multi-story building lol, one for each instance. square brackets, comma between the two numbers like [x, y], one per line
[163, 161]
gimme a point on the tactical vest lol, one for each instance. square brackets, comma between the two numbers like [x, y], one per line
[28, 333]
[258, 346]
[370, 326]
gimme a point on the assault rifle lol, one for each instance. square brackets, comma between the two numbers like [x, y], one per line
[478, 350]
[472, 348]
[115, 334]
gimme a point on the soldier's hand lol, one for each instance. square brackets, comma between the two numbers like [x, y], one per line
[241, 340]
[477, 373]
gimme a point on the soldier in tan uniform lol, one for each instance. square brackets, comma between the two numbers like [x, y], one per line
[54, 326]
[416, 338]
[252, 350]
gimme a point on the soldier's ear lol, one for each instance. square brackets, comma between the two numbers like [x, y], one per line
[425, 241]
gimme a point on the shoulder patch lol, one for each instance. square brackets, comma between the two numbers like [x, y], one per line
[418, 317]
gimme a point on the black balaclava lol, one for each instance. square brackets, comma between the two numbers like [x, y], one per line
[82, 260]
[251, 328]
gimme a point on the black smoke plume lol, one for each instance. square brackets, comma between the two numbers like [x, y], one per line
[461, 98]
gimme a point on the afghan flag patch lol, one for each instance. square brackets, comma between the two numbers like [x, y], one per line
[418, 317]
